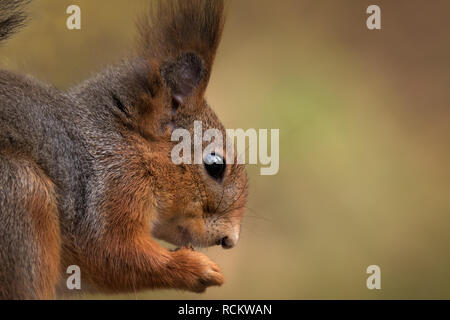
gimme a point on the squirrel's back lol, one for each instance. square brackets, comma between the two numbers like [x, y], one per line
[42, 124]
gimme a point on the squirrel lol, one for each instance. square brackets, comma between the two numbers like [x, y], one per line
[86, 173]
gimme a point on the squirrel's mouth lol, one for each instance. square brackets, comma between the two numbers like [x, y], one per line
[187, 240]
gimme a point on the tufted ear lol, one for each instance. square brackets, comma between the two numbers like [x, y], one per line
[181, 37]
[183, 75]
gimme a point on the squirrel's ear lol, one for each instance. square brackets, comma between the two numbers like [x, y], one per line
[183, 75]
[182, 37]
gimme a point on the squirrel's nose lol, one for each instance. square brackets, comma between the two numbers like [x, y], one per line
[227, 242]
[230, 238]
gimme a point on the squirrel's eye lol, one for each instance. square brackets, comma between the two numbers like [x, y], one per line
[215, 165]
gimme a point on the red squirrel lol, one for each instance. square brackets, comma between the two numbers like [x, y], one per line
[87, 177]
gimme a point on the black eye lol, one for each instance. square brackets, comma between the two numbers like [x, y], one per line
[215, 165]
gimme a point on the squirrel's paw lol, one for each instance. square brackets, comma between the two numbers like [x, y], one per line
[198, 272]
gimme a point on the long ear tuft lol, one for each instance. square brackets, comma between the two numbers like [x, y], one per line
[12, 17]
[183, 36]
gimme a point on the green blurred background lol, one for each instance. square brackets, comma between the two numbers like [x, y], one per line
[364, 127]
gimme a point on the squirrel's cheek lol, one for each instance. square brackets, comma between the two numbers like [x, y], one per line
[196, 227]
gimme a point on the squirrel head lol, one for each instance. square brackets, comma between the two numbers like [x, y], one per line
[196, 204]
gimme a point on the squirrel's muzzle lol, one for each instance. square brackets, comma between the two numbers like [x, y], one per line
[229, 241]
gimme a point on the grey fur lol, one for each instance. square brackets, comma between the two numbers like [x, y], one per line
[74, 139]
[68, 135]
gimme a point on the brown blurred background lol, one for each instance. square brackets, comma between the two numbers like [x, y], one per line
[364, 121]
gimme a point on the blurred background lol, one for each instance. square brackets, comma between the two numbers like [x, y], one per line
[364, 119]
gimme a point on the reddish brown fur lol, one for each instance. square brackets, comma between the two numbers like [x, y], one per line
[44, 213]
[144, 194]
[129, 258]
[40, 214]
